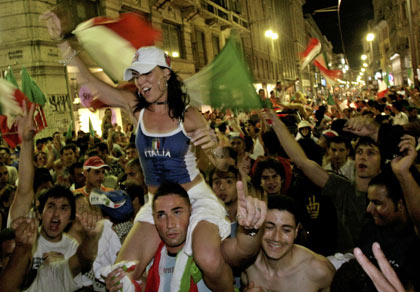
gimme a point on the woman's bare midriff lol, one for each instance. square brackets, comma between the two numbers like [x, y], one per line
[187, 186]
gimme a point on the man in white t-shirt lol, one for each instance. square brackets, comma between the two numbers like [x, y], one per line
[57, 212]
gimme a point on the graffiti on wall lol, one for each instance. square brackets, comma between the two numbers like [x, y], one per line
[59, 111]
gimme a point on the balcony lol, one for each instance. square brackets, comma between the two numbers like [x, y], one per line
[185, 3]
[216, 14]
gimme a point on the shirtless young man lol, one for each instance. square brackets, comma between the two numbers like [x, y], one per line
[282, 265]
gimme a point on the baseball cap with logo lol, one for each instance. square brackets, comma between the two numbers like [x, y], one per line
[145, 59]
[115, 204]
[95, 162]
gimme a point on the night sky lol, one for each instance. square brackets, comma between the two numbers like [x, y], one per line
[354, 19]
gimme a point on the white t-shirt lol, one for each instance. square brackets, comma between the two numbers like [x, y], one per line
[66, 246]
[60, 272]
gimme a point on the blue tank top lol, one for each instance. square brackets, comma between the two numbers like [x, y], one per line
[165, 156]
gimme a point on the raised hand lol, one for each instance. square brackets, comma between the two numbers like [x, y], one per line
[363, 126]
[53, 25]
[90, 221]
[403, 163]
[204, 137]
[385, 280]
[25, 230]
[26, 125]
[251, 211]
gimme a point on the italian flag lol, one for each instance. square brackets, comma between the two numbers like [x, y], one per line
[12, 102]
[11, 106]
[312, 50]
[330, 76]
[112, 43]
[225, 83]
[382, 90]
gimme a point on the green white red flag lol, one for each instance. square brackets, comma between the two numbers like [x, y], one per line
[382, 90]
[112, 43]
[312, 50]
[331, 76]
[12, 102]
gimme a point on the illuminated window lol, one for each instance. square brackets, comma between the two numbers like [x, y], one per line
[171, 40]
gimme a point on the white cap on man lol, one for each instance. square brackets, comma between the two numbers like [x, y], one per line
[146, 59]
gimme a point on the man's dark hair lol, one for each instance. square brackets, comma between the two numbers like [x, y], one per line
[264, 164]
[169, 188]
[92, 152]
[5, 235]
[339, 140]
[177, 102]
[135, 191]
[131, 145]
[42, 175]
[74, 166]
[388, 179]
[284, 203]
[222, 127]
[135, 162]
[223, 174]
[398, 105]
[272, 144]
[366, 141]
[68, 146]
[39, 153]
[58, 192]
[101, 146]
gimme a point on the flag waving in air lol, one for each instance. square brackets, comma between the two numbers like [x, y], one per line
[11, 105]
[226, 83]
[112, 43]
[311, 51]
[331, 76]
[91, 130]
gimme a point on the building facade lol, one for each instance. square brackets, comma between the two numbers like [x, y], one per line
[194, 32]
[393, 54]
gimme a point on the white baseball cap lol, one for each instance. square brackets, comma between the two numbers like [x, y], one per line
[145, 59]
[304, 124]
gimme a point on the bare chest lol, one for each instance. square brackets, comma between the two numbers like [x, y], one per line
[159, 122]
[294, 281]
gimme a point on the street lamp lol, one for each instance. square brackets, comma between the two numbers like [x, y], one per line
[270, 34]
[363, 57]
[370, 37]
[273, 36]
[365, 64]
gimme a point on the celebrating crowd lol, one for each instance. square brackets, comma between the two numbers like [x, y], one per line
[303, 197]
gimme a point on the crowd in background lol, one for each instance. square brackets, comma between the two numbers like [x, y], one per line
[343, 170]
